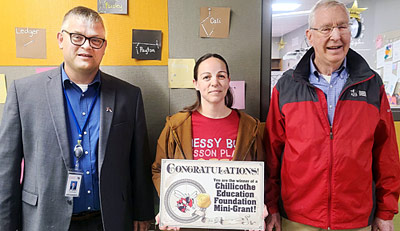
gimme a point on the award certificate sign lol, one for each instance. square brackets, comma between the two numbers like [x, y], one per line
[212, 194]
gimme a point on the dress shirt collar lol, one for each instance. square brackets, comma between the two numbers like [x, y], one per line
[65, 77]
[314, 70]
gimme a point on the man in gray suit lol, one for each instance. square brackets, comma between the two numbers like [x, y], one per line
[75, 125]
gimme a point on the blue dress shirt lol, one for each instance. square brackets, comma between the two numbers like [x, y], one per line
[80, 103]
[333, 89]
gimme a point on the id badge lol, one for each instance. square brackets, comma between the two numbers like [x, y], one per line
[73, 183]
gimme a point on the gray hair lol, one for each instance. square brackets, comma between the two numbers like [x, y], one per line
[327, 4]
[82, 12]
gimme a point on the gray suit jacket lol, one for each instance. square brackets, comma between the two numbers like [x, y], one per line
[34, 127]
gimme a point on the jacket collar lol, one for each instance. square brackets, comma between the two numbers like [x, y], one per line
[55, 98]
[247, 133]
[179, 124]
[357, 67]
[107, 104]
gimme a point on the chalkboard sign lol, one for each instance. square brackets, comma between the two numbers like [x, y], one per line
[146, 44]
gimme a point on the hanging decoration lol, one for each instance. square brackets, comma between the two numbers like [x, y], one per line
[356, 25]
[281, 44]
[355, 11]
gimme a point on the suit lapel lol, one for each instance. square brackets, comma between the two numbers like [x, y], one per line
[107, 103]
[55, 99]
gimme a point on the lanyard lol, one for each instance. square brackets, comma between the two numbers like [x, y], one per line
[78, 149]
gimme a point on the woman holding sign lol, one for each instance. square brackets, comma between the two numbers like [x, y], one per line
[209, 129]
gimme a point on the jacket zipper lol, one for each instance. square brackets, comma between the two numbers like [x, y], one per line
[330, 167]
[331, 153]
[330, 159]
[330, 177]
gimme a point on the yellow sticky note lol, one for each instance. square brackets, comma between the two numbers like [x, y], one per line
[180, 73]
[3, 90]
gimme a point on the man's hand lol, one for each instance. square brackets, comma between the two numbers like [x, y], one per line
[265, 214]
[164, 227]
[274, 221]
[382, 225]
[141, 225]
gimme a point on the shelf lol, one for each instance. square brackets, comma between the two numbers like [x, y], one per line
[276, 64]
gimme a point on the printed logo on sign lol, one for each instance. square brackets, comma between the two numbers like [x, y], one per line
[182, 201]
[185, 201]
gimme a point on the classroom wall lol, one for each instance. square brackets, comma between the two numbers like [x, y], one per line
[381, 16]
[48, 15]
[275, 47]
[242, 50]
[298, 35]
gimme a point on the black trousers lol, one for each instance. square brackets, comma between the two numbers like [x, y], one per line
[90, 224]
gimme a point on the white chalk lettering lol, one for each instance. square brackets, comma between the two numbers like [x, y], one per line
[215, 20]
[31, 32]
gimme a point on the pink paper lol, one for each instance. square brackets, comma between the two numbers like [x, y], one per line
[238, 91]
[43, 69]
[378, 41]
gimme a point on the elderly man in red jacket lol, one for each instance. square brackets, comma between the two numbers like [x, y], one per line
[332, 157]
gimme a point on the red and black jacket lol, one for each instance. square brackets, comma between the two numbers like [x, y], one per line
[339, 176]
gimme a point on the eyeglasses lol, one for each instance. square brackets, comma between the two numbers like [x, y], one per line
[327, 30]
[80, 39]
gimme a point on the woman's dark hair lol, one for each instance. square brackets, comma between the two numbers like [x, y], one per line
[228, 96]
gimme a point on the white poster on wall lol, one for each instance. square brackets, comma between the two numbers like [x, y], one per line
[389, 79]
[380, 57]
[212, 194]
[396, 51]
